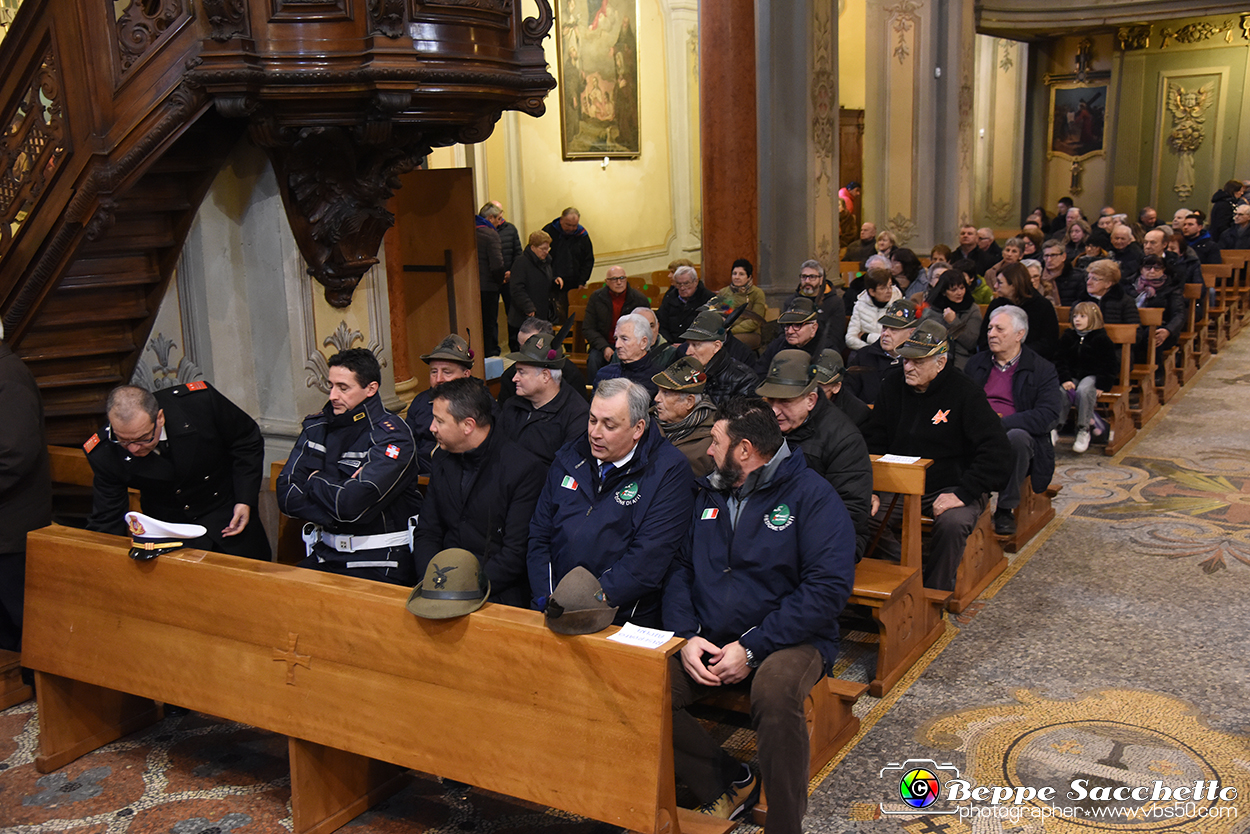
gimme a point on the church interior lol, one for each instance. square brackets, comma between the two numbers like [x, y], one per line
[232, 191]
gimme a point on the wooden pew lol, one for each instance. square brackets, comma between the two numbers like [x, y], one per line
[982, 563]
[12, 690]
[1221, 313]
[1116, 401]
[1034, 513]
[1239, 260]
[1194, 349]
[908, 615]
[362, 688]
[1143, 374]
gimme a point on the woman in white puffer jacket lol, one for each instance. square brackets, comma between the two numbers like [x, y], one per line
[865, 326]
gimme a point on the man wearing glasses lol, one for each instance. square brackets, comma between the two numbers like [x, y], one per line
[194, 456]
[683, 301]
[603, 309]
[830, 308]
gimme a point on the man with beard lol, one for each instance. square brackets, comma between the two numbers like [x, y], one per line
[830, 308]
[756, 590]
[684, 414]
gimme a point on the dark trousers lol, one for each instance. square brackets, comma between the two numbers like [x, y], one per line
[12, 589]
[947, 539]
[1022, 454]
[779, 689]
[490, 322]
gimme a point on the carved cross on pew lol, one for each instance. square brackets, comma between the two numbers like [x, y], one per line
[292, 658]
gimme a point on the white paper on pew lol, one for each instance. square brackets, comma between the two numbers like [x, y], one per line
[897, 459]
[636, 635]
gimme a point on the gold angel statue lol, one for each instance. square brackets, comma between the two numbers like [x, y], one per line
[1188, 108]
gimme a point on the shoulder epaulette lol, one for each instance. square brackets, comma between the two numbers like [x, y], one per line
[92, 442]
[199, 385]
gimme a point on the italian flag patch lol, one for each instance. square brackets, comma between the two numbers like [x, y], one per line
[568, 482]
[709, 514]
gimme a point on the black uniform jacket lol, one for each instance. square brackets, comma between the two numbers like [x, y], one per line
[212, 459]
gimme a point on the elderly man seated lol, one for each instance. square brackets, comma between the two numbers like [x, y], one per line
[684, 414]
[873, 362]
[1023, 389]
[726, 376]
[830, 373]
[683, 301]
[546, 412]
[632, 360]
[929, 409]
[832, 444]
[800, 330]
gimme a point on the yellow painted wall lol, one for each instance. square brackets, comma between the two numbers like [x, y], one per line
[627, 206]
[852, 53]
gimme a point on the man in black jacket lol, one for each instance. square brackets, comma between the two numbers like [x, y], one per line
[830, 374]
[572, 254]
[490, 270]
[545, 413]
[604, 308]
[510, 243]
[1023, 389]
[482, 492]
[683, 301]
[194, 456]
[25, 486]
[451, 359]
[801, 329]
[832, 444]
[726, 377]
[929, 409]
[1200, 240]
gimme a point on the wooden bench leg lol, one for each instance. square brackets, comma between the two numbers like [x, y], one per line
[1120, 422]
[76, 718]
[908, 624]
[981, 564]
[12, 690]
[330, 788]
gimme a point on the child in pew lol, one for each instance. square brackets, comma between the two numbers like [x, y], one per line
[1086, 364]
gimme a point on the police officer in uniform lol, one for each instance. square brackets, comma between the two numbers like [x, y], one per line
[194, 456]
[353, 477]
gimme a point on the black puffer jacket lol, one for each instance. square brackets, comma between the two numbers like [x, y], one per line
[835, 448]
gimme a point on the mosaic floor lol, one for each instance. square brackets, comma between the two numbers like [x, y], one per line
[1111, 653]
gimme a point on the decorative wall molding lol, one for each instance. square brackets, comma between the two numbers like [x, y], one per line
[1198, 32]
[343, 337]
[903, 21]
[1188, 109]
[903, 228]
[162, 374]
[1134, 37]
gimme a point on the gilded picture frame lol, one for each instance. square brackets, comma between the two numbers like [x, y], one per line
[597, 78]
[1078, 119]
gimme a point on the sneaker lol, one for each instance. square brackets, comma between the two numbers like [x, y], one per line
[733, 803]
[1054, 437]
[1004, 522]
[1082, 441]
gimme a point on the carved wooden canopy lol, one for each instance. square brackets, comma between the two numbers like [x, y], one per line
[346, 94]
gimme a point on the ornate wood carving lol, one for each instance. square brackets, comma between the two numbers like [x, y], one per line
[227, 19]
[335, 191]
[386, 17]
[299, 11]
[33, 146]
[534, 29]
[1134, 37]
[142, 24]
[504, 6]
[1196, 33]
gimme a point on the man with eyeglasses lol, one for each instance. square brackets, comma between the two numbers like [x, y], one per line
[604, 308]
[830, 308]
[194, 456]
[1068, 280]
[683, 301]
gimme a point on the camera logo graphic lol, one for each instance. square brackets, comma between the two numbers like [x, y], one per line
[920, 787]
[915, 786]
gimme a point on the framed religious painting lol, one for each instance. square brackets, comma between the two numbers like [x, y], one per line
[1078, 119]
[597, 52]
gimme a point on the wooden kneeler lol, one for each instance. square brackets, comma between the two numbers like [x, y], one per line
[12, 690]
[908, 615]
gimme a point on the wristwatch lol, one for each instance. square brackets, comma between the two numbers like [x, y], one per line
[752, 660]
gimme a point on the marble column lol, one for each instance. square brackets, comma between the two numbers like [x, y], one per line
[918, 119]
[728, 137]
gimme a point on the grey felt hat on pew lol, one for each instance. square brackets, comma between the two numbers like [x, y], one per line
[790, 375]
[150, 537]
[578, 606]
[453, 585]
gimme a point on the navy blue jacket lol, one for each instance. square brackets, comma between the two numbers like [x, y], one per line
[779, 577]
[1036, 393]
[353, 473]
[625, 531]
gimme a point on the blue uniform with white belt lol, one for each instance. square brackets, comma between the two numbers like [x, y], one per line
[353, 478]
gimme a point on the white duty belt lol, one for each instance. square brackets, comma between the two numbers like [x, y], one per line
[313, 533]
